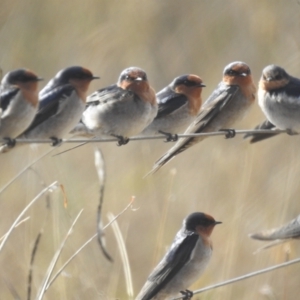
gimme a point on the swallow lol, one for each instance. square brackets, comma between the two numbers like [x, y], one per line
[61, 104]
[123, 109]
[278, 98]
[226, 105]
[291, 230]
[184, 262]
[178, 105]
[18, 102]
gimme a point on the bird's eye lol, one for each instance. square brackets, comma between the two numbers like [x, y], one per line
[80, 75]
[231, 72]
[20, 78]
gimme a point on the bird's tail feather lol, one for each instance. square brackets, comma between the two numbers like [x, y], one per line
[179, 147]
[254, 138]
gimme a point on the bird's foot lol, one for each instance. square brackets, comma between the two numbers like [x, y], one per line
[170, 137]
[230, 133]
[55, 141]
[291, 132]
[10, 143]
[121, 140]
[187, 294]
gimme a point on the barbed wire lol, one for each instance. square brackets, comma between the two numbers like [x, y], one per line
[229, 133]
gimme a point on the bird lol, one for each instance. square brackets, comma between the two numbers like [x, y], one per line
[228, 103]
[184, 262]
[18, 103]
[61, 104]
[290, 230]
[178, 105]
[278, 98]
[121, 110]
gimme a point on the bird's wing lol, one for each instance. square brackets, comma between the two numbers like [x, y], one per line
[6, 96]
[292, 89]
[260, 137]
[209, 111]
[289, 230]
[171, 264]
[49, 104]
[109, 94]
[212, 107]
[168, 102]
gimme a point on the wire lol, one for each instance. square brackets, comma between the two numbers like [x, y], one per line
[225, 132]
[246, 276]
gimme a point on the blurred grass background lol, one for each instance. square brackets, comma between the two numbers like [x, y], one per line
[248, 187]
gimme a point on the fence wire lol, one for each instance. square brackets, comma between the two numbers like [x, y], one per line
[228, 133]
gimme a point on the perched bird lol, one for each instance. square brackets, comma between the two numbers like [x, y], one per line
[18, 103]
[120, 110]
[291, 230]
[178, 105]
[278, 97]
[184, 262]
[227, 104]
[61, 104]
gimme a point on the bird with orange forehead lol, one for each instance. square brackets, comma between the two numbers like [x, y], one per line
[178, 105]
[18, 103]
[279, 99]
[61, 104]
[121, 110]
[228, 103]
[184, 262]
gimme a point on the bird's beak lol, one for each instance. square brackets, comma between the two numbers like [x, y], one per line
[138, 79]
[202, 85]
[95, 77]
[218, 222]
[39, 79]
[243, 74]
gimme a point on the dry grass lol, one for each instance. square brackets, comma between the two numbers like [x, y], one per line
[248, 187]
